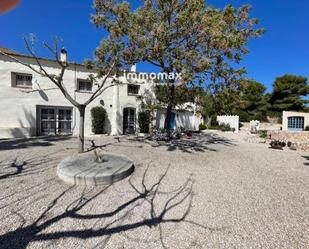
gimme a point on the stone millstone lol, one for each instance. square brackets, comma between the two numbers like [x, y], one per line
[84, 170]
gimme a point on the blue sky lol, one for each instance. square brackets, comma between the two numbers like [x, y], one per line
[283, 49]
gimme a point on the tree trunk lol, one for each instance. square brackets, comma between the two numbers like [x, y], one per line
[81, 137]
[151, 122]
[168, 116]
[170, 104]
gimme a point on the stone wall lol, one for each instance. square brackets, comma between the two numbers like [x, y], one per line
[299, 139]
[263, 126]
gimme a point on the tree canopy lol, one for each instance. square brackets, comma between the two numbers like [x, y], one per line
[288, 93]
[253, 101]
[187, 37]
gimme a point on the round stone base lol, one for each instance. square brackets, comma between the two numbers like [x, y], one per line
[84, 170]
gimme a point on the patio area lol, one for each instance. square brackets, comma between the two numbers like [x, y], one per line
[213, 190]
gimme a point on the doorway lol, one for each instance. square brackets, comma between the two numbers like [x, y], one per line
[129, 120]
[172, 123]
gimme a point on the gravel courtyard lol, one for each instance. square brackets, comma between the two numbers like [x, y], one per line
[211, 191]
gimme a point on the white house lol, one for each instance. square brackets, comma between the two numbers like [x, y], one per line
[31, 105]
[183, 116]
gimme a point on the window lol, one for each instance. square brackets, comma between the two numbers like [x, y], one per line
[133, 89]
[54, 120]
[84, 85]
[21, 80]
[64, 120]
[48, 121]
[296, 123]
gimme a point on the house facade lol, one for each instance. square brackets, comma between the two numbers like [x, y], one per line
[31, 105]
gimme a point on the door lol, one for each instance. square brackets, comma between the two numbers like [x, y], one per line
[129, 120]
[64, 121]
[53, 120]
[172, 121]
[48, 121]
[296, 123]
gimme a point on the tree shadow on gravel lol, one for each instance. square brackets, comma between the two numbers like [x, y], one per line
[18, 168]
[93, 146]
[22, 165]
[196, 143]
[114, 221]
[11, 144]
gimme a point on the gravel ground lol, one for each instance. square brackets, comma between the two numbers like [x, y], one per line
[211, 191]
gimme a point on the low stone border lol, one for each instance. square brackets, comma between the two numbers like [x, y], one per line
[83, 170]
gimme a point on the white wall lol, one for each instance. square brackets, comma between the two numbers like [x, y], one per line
[18, 108]
[233, 121]
[286, 114]
[183, 119]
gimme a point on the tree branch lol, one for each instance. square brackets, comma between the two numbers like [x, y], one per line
[98, 91]
[153, 63]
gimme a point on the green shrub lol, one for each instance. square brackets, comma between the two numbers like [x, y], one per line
[98, 117]
[214, 121]
[244, 116]
[307, 128]
[202, 127]
[225, 127]
[276, 144]
[214, 127]
[263, 134]
[144, 121]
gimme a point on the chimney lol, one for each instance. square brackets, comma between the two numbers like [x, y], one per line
[133, 68]
[63, 55]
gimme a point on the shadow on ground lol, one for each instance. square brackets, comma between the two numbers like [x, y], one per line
[196, 143]
[306, 163]
[22, 165]
[11, 144]
[199, 142]
[114, 221]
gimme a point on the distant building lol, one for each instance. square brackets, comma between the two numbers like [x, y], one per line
[294, 121]
[183, 116]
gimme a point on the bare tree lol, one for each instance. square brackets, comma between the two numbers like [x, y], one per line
[57, 80]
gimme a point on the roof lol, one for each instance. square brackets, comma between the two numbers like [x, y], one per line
[8, 51]
[14, 53]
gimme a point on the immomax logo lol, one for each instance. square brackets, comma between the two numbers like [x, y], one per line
[152, 76]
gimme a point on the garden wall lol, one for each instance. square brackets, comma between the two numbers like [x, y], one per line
[299, 139]
[233, 121]
[263, 126]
